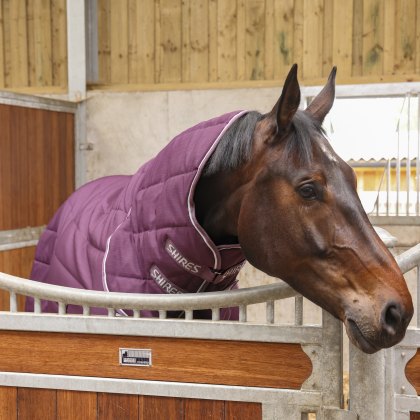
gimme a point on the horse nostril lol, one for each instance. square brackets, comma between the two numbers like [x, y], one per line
[391, 318]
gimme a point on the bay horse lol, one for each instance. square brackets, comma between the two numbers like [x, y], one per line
[265, 187]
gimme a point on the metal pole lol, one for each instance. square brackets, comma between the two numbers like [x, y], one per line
[388, 185]
[418, 157]
[408, 166]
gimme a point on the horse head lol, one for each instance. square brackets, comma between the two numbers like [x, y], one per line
[297, 216]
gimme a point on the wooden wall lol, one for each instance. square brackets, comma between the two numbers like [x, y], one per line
[228, 41]
[33, 45]
[36, 176]
[51, 404]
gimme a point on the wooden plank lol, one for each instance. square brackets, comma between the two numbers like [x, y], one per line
[119, 41]
[373, 37]
[2, 58]
[254, 39]
[203, 409]
[43, 42]
[269, 40]
[226, 40]
[104, 40]
[312, 38]
[8, 402]
[186, 47]
[342, 38]
[198, 27]
[417, 64]
[197, 361]
[327, 37]
[405, 36]
[389, 37]
[242, 411]
[59, 42]
[170, 51]
[160, 408]
[213, 41]
[414, 415]
[37, 404]
[145, 29]
[31, 42]
[118, 406]
[77, 405]
[7, 44]
[241, 39]
[18, 44]
[298, 36]
[6, 197]
[357, 60]
[284, 42]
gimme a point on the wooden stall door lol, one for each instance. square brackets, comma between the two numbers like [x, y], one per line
[36, 175]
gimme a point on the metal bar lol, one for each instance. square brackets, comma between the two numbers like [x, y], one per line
[270, 312]
[225, 299]
[86, 310]
[37, 305]
[111, 312]
[13, 301]
[408, 166]
[388, 185]
[298, 310]
[136, 313]
[398, 170]
[188, 314]
[76, 49]
[162, 314]
[418, 296]
[215, 314]
[242, 313]
[61, 308]
[418, 158]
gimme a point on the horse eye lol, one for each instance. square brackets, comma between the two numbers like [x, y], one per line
[307, 192]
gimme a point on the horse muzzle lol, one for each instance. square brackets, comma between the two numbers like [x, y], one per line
[387, 331]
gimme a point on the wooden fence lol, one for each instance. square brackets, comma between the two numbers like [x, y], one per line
[204, 41]
[180, 42]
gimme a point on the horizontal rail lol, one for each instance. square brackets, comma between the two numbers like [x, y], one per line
[113, 300]
[163, 302]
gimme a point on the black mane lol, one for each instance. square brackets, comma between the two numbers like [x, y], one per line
[235, 147]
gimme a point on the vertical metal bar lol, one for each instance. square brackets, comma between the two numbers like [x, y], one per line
[111, 312]
[136, 313]
[86, 310]
[215, 314]
[398, 170]
[37, 305]
[13, 301]
[388, 185]
[162, 314]
[298, 310]
[189, 314]
[418, 296]
[269, 311]
[242, 313]
[408, 165]
[61, 308]
[418, 158]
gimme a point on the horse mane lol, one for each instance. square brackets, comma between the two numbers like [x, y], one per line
[235, 146]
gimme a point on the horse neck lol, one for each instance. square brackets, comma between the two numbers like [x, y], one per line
[217, 202]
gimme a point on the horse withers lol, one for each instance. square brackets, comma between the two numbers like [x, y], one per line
[265, 187]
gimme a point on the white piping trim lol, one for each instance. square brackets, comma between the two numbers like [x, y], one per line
[108, 241]
[191, 207]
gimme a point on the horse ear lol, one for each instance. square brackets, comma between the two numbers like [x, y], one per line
[288, 103]
[323, 102]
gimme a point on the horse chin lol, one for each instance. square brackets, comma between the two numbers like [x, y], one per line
[358, 339]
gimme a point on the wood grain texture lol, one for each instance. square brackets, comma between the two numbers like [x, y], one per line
[37, 404]
[77, 405]
[185, 360]
[160, 408]
[203, 409]
[8, 402]
[118, 406]
[40, 150]
[414, 415]
[240, 411]
[412, 371]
